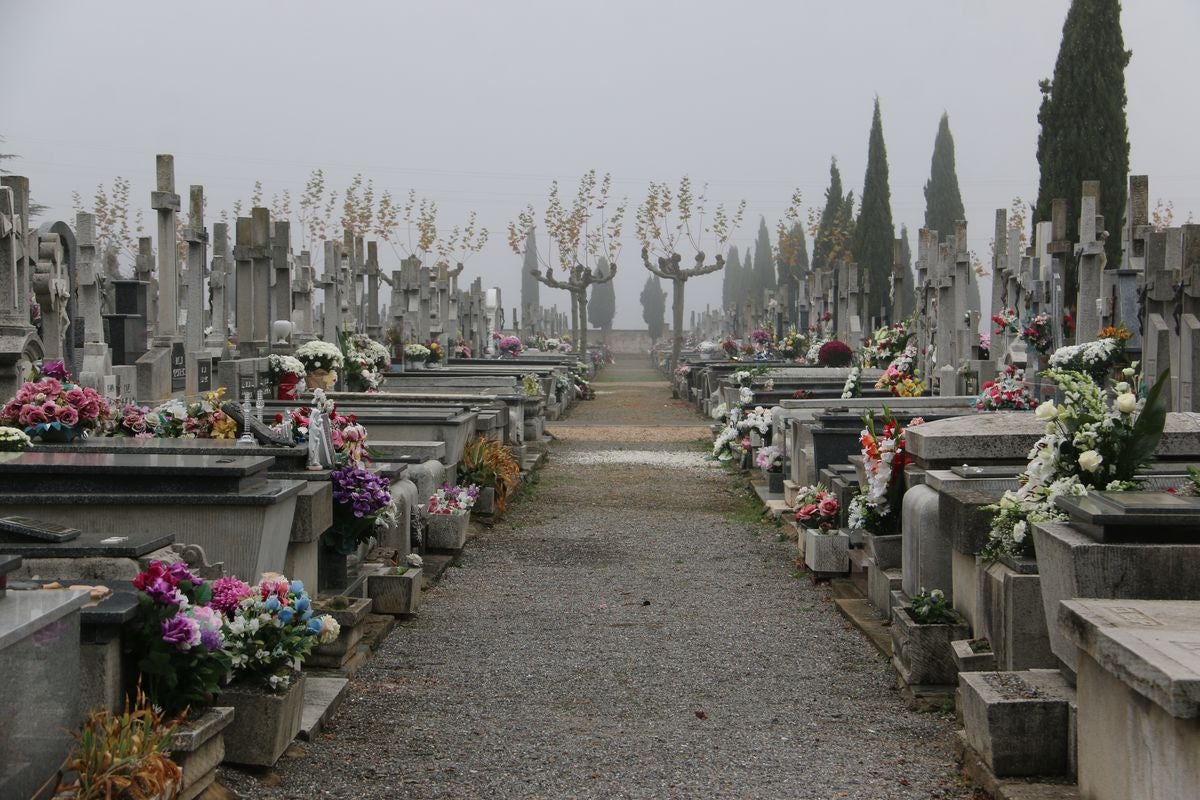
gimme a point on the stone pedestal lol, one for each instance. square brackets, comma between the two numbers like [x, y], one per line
[1018, 722]
[447, 531]
[396, 594]
[921, 653]
[927, 547]
[267, 722]
[1011, 598]
[198, 747]
[826, 552]
[1138, 689]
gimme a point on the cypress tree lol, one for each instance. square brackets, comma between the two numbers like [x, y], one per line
[943, 201]
[729, 280]
[874, 232]
[654, 307]
[1084, 133]
[793, 256]
[602, 305]
[823, 244]
[764, 267]
[530, 291]
[745, 283]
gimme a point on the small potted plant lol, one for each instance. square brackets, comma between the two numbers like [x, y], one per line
[123, 756]
[921, 637]
[397, 589]
[449, 511]
[285, 372]
[510, 346]
[362, 505]
[321, 361]
[770, 460]
[177, 642]
[269, 632]
[365, 361]
[487, 463]
[415, 355]
[436, 354]
[14, 440]
[350, 613]
[826, 547]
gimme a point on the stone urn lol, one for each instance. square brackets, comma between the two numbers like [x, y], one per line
[826, 552]
[922, 653]
[351, 616]
[321, 379]
[267, 722]
[396, 593]
[447, 531]
[198, 746]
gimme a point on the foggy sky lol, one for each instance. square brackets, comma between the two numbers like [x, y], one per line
[479, 105]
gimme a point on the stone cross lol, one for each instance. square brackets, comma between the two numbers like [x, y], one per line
[1000, 286]
[1058, 248]
[374, 325]
[97, 359]
[1137, 225]
[1188, 369]
[947, 317]
[281, 268]
[302, 300]
[166, 202]
[221, 286]
[331, 286]
[1091, 260]
[196, 236]
[253, 262]
[143, 267]
[18, 338]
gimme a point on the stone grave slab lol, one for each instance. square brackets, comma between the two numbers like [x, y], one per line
[48, 473]
[1137, 517]
[87, 544]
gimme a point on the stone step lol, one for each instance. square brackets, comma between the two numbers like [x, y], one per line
[1010, 788]
[322, 696]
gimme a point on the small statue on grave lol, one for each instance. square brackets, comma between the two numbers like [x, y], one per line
[320, 441]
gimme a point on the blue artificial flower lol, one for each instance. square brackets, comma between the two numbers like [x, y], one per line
[272, 603]
[285, 616]
[306, 616]
[303, 603]
[314, 626]
[296, 587]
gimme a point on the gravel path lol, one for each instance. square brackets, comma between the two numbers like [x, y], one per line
[625, 633]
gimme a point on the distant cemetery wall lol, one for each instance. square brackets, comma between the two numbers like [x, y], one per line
[626, 341]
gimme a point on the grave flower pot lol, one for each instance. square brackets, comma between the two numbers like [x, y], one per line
[485, 503]
[886, 549]
[56, 433]
[968, 659]
[321, 379]
[826, 552]
[288, 387]
[447, 531]
[775, 481]
[415, 365]
[396, 594]
[921, 653]
[198, 746]
[267, 722]
[351, 618]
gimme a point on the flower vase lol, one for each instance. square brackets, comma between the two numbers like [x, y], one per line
[351, 619]
[921, 653]
[447, 531]
[321, 379]
[198, 746]
[288, 387]
[826, 552]
[775, 481]
[266, 721]
[396, 594]
[415, 365]
[56, 433]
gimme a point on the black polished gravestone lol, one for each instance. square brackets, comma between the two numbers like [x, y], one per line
[24, 528]
[47, 477]
[178, 367]
[86, 545]
[204, 370]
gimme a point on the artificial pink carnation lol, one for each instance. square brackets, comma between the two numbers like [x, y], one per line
[227, 593]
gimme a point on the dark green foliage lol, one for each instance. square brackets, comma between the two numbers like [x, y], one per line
[764, 267]
[654, 307]
[793, 256]
[943, 201]
[823, 245]
[874, 232]
[729, 280]
[1084, 133]
[602, 306]
[530, 287]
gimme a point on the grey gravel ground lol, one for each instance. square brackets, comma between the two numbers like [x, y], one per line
[626, 633]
